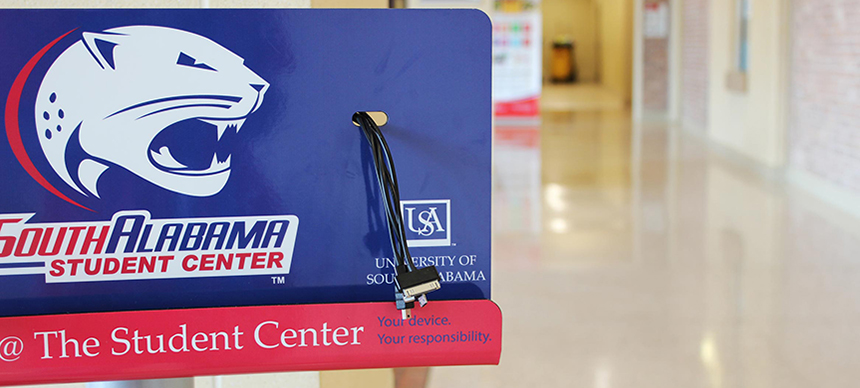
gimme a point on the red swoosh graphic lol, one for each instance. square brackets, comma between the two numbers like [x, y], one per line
[13, 132]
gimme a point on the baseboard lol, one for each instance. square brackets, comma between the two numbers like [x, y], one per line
[825, 190]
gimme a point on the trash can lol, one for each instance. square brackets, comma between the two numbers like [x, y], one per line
[562, 61]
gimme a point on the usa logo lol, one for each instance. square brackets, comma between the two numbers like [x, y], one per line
[161, 103]
[428, 222]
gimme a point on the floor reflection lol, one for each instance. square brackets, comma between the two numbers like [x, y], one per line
[517, 194]
[586, 188]
[634, 255]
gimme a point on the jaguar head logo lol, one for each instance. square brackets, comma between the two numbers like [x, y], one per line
[162, 103]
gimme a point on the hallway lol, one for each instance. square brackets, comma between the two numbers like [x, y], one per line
[638, 255]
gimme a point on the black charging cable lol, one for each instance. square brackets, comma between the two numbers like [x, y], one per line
[411, 283]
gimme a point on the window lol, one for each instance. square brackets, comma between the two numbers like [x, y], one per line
[736, 79]
[742, 44]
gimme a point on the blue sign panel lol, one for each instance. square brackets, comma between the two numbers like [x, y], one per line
[161, 159]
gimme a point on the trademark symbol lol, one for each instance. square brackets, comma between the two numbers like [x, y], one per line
[278, 280]
[453, 244]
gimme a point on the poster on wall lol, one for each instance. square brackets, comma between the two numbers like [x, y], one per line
[517, 59]
[656, 23]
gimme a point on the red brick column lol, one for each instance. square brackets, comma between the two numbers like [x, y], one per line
[694, 63]
[824, 107]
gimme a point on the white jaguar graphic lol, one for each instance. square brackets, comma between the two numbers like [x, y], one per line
[159, 102]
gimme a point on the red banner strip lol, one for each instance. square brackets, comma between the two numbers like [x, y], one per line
[195, 342]
[529, 107]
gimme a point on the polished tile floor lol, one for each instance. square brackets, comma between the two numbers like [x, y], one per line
[636, 255]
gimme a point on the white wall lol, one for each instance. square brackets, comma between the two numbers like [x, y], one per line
[483, 5]
[752, 122]
[615, 39]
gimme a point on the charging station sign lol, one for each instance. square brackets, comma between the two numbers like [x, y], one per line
[154, 159]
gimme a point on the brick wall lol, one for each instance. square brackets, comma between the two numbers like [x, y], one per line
[655, 70]
[824, 118]
[655, 73]
[694, 63]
